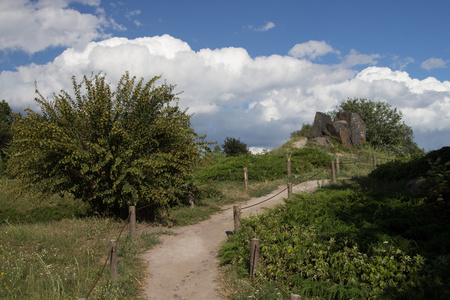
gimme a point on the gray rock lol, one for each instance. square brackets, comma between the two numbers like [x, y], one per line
[321, 120]
[321, 141]
[357, 127]
[348, 128]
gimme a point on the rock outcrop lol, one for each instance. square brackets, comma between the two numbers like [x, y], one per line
[347, 128]
[357, 127]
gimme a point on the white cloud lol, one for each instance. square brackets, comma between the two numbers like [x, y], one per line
[311, 50]
[33, 26]
[266, 27]
[355, 58]
[401, 64]
[261, 100]
[434, 63]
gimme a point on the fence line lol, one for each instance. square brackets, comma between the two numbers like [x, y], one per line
[237, 216]
[112, 247]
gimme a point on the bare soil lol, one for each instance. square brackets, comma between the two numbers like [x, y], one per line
[185, 265]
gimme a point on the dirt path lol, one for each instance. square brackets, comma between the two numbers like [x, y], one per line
[185, 265]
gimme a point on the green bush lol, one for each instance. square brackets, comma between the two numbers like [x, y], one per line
[265, 167]
[410, 167]
[344, 244]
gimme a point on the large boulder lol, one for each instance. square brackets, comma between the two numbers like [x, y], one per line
[357, 127]
[347, 128]
[342, 135]
[321, 120]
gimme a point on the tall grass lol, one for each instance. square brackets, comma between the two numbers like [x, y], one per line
[61, 260]
[47, 251]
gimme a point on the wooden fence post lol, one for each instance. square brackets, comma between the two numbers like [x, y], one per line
[333, 172]
[338, 167]
[289, 189]
[132, 211]
[288, 167]
[114, 259]
[254, 256]
[191, 195]
[296, 297]
[237, 217]
[246, 178]
[374, 162]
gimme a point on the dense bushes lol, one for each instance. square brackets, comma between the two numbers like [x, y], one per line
[344, 244]
[411, 167]
[265, 167]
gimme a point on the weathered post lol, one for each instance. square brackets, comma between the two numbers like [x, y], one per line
[132, 211]
[237, 217]
[191, 195]
[288, 167]
[338, 167]
[246, 178]
[374, 162]
[254, 256]
[289, 189]
[114, 259]
[333, 171]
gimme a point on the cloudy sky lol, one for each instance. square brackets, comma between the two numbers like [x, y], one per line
[254, 69]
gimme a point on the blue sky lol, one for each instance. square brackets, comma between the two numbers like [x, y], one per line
[256, 70]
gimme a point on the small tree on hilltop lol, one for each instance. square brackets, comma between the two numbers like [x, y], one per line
[234, 147]
[305, 131]
[133, 146]
[385, 127]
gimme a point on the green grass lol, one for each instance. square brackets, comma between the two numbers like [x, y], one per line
[62, 259]
[50, 250]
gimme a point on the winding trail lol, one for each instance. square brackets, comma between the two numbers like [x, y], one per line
[185, 265]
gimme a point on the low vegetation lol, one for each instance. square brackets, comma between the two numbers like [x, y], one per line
[362, 239]
[62, 259]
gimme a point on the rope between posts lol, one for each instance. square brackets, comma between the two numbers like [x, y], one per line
[264, 200]
[106, 260]
[311, 177]
[111, 249]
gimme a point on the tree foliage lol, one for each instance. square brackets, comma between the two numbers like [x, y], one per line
[131, 146]
[234, 147]
[385, 127]
[6, 120]
[305, 131]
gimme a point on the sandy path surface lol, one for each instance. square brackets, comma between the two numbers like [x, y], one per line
[185, 265]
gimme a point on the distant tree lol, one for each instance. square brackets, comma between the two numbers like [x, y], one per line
[305, 131]
[385, 127]
[234, 147]
[133, 146]
[216, 154]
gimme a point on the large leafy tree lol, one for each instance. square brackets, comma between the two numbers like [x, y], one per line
[385, 127]
[131, 146]
[234, 147]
